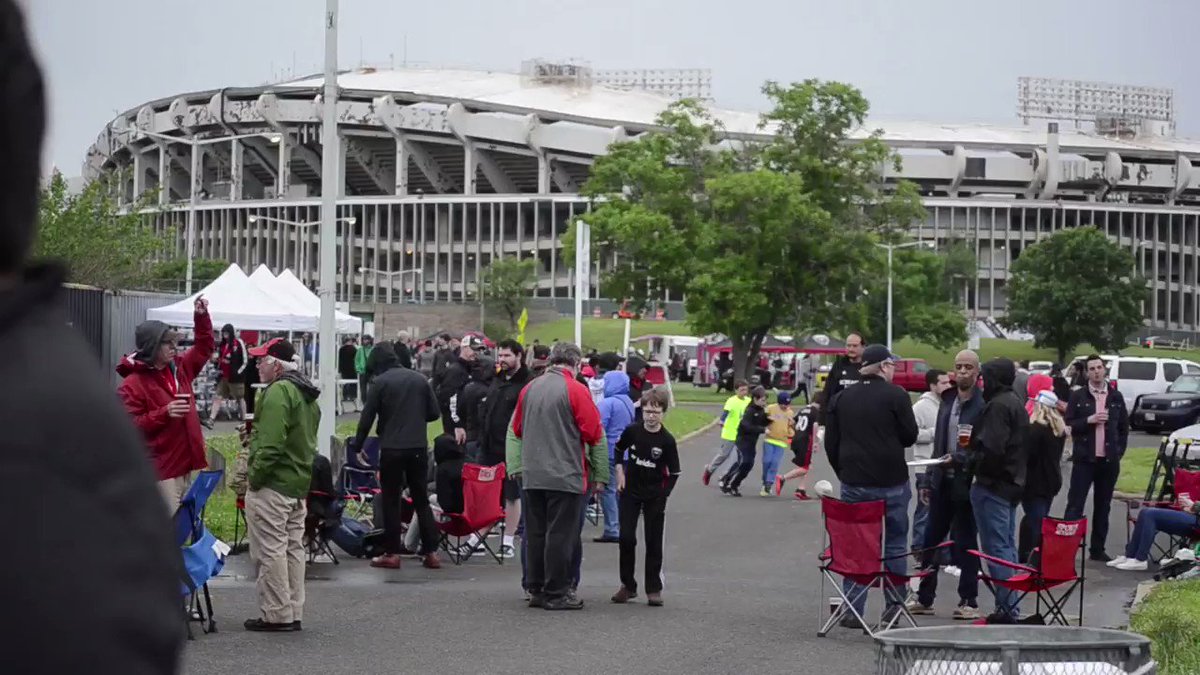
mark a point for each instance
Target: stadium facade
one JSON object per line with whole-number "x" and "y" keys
{"x": 445, "y": 170}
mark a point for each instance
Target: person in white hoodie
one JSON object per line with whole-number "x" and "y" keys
{"x": 926, "y": 412}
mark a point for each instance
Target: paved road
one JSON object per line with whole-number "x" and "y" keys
{"x": 742, "y": 595}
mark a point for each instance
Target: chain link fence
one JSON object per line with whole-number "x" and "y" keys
{"x": 1013, "y": 650}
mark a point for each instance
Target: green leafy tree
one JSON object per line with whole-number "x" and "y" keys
{"x": 101, "y": 244}
{"x": 758, "y": 237}
{"x": 171, "y": 275}
{"x": 506, "y": 284}
{"x": 921, "y": 301}
{"x": 1075, "y": 287}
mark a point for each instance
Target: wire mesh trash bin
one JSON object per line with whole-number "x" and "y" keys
{"x": 1013, "y": 650}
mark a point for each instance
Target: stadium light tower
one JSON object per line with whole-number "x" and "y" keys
{"x": 330, "y": 187}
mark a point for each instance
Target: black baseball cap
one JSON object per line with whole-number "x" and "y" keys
{"x": 875, "y": 354}
{"x": 278, "y": 347}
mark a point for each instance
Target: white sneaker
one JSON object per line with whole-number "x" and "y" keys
{"x": 507, "y": 551}
{"x": 952, "y": 571}
{"x": 1134, "y": 566}
{"x": 1119, "y": 560}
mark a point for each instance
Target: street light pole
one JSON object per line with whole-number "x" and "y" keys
{"x": 890, "y": 248}
{"x": 331, "y": 158}
{"x": 193, "y": 202}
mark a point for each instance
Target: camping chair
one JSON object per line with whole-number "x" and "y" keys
{"x": 241, "y": 529}
{"x": 483, "y": 511}
{"x": 358, "y": 482}
{"x": 1181, "y": 481}
{"x": 854, "y": 551}
{"x": 324, "y": 515}
{"x": 1059, "y": 563}
{"x": 592, "y": 511}
{"x": 1172, "y": 455}
{"x": 203, "y": 554}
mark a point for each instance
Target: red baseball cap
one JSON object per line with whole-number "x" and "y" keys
{"x": 278, "y": 347}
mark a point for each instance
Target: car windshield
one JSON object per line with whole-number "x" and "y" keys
{"x": 1186, "y": 384}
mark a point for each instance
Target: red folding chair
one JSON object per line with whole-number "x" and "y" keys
{"x": 854, "y": 551}
{"x": 1185, "y": 482}
{"x": 1059, "y": 563}
{"x": 483, "y": 510}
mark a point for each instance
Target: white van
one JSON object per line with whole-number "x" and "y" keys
{"x": 1140, "y": 375}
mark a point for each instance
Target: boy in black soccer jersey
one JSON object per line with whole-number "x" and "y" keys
{"x": 646, "y": 475}
{"x": 802, "y": 445}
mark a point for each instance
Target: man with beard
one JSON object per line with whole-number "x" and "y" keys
{"x": 496, "y": 413}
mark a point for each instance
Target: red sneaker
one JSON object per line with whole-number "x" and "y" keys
{"x": 802, "y": 495}
{"x": 431, "y": 561}
{"x": 707, "y": 476}
{"x": 387, "y": 561}
{"x": 778, "y": 485}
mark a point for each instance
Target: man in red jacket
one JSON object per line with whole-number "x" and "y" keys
{"x": 157, "y": 392}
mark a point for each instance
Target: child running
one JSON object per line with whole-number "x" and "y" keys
{"x": 645, "y": 478}
{"x": 731, "y": 417}
{"x": 802, "y": 447}
{"x": 753, "y": 424}
{"x": 778, "y": 439}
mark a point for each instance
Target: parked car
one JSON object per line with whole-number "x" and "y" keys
{"x": 910, "y": 374}
{"x": 1040, "y": 367}
{"x": 1137, "y": 376}
{"x": 1178, "y": 407}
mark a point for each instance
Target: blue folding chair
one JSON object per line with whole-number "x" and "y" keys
{"x": 358, "y": 481}
{"x": 203, "y": 554}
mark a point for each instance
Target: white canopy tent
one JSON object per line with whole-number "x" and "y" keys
{"x": 233, "y": 298}
{"x": 286, "y": 285}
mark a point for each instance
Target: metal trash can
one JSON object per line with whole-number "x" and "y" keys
{"x": 1013, "y": 650}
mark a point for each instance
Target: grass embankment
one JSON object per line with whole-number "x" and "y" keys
{"x": 604, "y": 335}
{"x": 1170, "y": 617}
{"x": 221, "y": 512}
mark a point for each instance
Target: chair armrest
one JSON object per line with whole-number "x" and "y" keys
{"x": 1001, "y": 561}
{"x": 919, "y": 551}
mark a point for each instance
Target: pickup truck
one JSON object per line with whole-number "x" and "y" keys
{"x": 910, "y": 375}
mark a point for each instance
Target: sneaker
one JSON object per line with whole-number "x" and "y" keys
{"x": 915, "y": 608}
{"x": 208, "y": 424}
{"x": 801, "y": 495}
{"x": 260, "y": 626}
{"x": 568, "y": 601}
{"x": 507, "y": 551}
{"x": 967, "y": 613}
{"x": 1134, "y": 566}
{"x": 1100, "y": 556}
{"x": 763, "y": 492}
{"x": 778, "y": 485}
{"x": 606, "y": 539}
{"x": 952, "y": 570}
{"x": 734, "y": 492}
{"x": 706, "y": 477}
{"x": 1119, "y": 560}
{"x": 537, "y": 600}
{"x": 724, "y": 488}
{"x": 431, "y": 561}
{"x": 654, "y": 599}
{"x": 1000, "y": 619}
{"x": 623, "y": 595}
{"x": 387, "y": 561}
{"x": 852, "y": 622}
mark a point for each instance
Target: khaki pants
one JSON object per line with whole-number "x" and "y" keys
{"x": 173, "y": 490}
{"x": 276, "y": 525}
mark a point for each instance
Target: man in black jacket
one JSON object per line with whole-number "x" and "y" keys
{"x": 497, "y": 412}
{"x": 998, "y": 458}
{"x": 845, "y": 370}
{"x": 91, "y": 584}
{"x": 455, "y": 377}
{"x": 1100, "y": 432}
{"x": 404, "y": 403}
{"x": 346, "y": 369}
{"x": 869, "y": 427}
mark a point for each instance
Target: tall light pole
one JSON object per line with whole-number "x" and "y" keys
{"x": 583, "y": 268}
{"x": 193, "y": 178}
{"x": 890, "y": 248}
{"x": 330, "y": 189}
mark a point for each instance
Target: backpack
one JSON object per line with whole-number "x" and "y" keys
{"x": 352, "y": 536}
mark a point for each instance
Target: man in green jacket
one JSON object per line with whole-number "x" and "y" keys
{"x": 360, "y": 365}
{"x": 283, "y": 444}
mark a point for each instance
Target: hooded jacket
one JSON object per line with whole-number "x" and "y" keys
{"x": 346, "y": 356}
{"x": 870, "y": 425}
{"x": 637, "y": 385}
{"x": 925, "y": 411}
{"x": 101, "y": 532}
{"x": 448, "y": 460}
{"x": 556, "y": 442}
{"x": 1035, "y": 384}
{"x": 403, "y": 402}
{"x": 497, "y": 412}
{"x": 998, "y": 452}
{"x": 360, "y": 359}
{"x": 232, "y": 356}
{"x": 616, "y": 410}
{"x": 466, "y": 406}
{"x": 176, "y": 444}
{"x": 1043, "y": 477}
{"x": 284, "y": 440}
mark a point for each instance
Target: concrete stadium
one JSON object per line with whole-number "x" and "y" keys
{"x": 444, "y": 170}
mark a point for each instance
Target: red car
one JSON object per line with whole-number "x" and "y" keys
{"x": 910, "y": 374}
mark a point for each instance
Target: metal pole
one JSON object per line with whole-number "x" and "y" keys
{"x": 330, "y": 160}
{"x": 889, "y": 302}
{"x": 193, "y": 202}
{"x": 583, "y": 266}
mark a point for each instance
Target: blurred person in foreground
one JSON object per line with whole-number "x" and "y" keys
{"x": 105, "y": 597}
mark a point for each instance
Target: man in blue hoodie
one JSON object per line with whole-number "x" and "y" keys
{"x": 616, "y": 413}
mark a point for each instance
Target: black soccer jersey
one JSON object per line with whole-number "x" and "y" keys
{"x": 651, "y": 461}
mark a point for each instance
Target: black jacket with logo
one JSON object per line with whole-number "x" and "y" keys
{"x": 998, "y": 453}
{"x": 843, "y": 373}
{"x": 497, "y": 412}
{"x": 869, "y": 426}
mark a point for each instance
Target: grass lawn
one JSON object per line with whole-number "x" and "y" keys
{"x": 603, "y": 334}
{"x": 1135, "y": 470}
{"x": 221, "y": 512}
{"x": 1170, "y": 617}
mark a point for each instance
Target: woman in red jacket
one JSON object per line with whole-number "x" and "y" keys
{"x": 157, "y": 393}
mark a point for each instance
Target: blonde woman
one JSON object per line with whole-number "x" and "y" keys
{"x": 1043, "y": 477}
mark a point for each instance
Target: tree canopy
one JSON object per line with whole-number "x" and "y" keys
{"x": 758, "y": 237}
{"x": 170, "y": 275}
{"x": 1075, "y": 287}
{"x": 100, "y": 244}
{"x": 506, "y": 284}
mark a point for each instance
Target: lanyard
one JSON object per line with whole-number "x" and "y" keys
{"x": 173, "y": 381}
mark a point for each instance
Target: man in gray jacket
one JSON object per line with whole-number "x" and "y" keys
{"x": 926, "y": 412}
{"x": 557, "y": 450}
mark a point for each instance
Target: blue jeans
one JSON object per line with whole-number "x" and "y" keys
{"x": 1150, "y": 522}
{"x": 772, "y": 456}
{"x": 996, "y": 520}
{"x": 608, "y": 504}
{"x": 1035, "y": 508}
{"x": 920, "y": 513}
{"x": 895, "y": 536}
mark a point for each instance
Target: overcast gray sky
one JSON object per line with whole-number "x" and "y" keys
{"x": 936, "y": 60}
